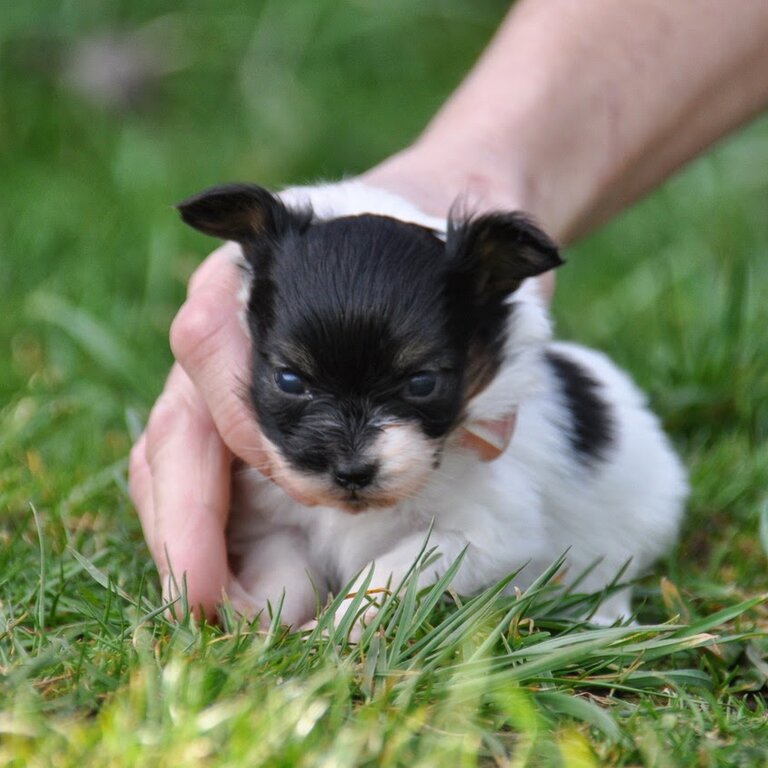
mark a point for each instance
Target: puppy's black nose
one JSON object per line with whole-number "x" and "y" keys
{"x": 352, "y": 476}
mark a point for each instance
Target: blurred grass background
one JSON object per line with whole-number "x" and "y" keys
{"x": 111, "y": 112}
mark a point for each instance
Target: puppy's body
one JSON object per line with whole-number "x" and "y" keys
{"x": 588, "y": 469}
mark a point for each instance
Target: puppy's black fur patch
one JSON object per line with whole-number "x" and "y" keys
{"x": 592, "y": 424}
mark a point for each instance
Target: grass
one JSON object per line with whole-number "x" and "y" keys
{"x": 92, "y": 265}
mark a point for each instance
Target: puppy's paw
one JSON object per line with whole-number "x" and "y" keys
{"x": 365, "y": 613}
{"x": 244, "y": 604}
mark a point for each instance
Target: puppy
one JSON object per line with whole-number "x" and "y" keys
{"x": 394, "y": 354}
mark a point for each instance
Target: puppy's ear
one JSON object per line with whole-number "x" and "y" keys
{"x": 240, "y": 212}
{"x": 499, "y": 250}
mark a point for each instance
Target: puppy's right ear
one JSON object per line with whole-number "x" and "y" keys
{"x": 498, "y": 251}
{"x": 240, "y": 212}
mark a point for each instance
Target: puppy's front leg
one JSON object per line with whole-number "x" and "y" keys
{"x": 275, "y": 567}
{"x": 392, "y": 567}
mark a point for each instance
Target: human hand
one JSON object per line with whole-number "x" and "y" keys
{"x": 181, "y": 465}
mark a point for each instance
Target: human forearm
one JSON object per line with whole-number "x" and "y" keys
{"x": 576, "y": 109}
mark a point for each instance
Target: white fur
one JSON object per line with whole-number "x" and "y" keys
{"x": 526, "y": 508}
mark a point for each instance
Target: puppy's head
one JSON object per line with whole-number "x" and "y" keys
{"x": 370, "y": 335}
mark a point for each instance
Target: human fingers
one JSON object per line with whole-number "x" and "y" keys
{"x": 140, "y": 489}
{"x": 181, "y": 488}
{"x": 211, "y": 345}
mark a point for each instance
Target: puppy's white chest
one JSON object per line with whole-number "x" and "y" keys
{"x": 493, "y": 509}
{"x": 337, "y": 544}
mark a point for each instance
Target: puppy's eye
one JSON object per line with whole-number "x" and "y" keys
{"x": 421, "y": 384}
{"x": 289, "y": 382}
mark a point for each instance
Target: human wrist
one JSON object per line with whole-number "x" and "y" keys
{"x": 433, "y": 174}
{"x": 491, "y": 169}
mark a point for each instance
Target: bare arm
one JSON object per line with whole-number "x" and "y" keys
{"x": 576, "y": 109}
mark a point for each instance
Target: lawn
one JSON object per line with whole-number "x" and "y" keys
{"x": 94, "y": 262}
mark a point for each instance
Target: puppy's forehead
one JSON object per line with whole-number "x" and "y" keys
{"x": 369, "y": 251}
{"x": 360, "y": 268}
{"x": 310, "y": 355}
{"x": 372, "y": 230}
{"x": 357, "y": 354}
{"x": 360, "y": 282}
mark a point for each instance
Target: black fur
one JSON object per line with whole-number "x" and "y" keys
{"x": 357, "y": 305}
{"x": 240, "y": 212}
{"x": 592, "y": 424}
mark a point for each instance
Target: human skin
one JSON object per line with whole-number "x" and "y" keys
{"x": 574, "y": 111}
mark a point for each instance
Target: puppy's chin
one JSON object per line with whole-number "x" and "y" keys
{"x": 405, "y": 458}
{"x": 355, "y": 503}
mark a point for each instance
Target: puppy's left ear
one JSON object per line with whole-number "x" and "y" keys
{"x": 500, "y": 250}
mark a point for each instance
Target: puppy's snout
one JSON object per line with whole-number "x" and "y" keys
{"x": 354, "y": 475}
